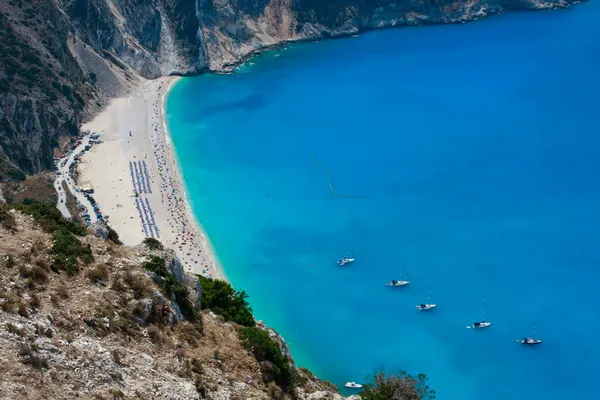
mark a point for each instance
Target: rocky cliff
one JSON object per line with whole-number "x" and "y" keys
{"x": 62, "y": 60}
{"x": 108, "y": 328}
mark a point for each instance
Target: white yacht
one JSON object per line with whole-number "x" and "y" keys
{"x": 353, "y": 385}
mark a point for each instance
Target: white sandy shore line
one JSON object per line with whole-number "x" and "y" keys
{"x": 133, "y": 129}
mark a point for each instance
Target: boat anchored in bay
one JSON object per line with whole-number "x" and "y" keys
{"x": 427, "y": 306}
{"x": 401, "y": 282}
{"x": 353, "y": 385}
{"x": 531, "y": 341}
{"x": 345, "y": 260}
{"x": 483, "y": 323}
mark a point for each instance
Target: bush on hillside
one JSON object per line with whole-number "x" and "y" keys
{"x": 264, "y": 350}
{"x": 68, "y": 250}
{"x": 50, "y": 219}
{"x": 153, "y": 244}
{"x": 113, "y": 236}
{"x": 6, "y": 218}
{"x": 224, "y": 300}
{"x": 172, "y": 287}
{"x": 157, "y": 265}
{"x": 400, "y": 386}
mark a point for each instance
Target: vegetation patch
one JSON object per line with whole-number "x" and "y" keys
{"x": 172, "y": 288}
{"x": 224, "y": 300}
{"x": 113, "y": 236}
{"x": 6, "y": 218}
{"x": 401, "y": 385}
{"x": 50, "y": 219}
{"x": 68, "y": 250}
{"x": 99, "y": 274}
{"x": 153, "y": 244}
{"x": 267, "y": 352}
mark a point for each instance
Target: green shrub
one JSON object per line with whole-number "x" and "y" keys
{"x": 113, "y": 236}
{"x": 172, "y": 287}
{"x": 157, "y": 265}
{"x": 67, "y": 250}
{"x": 50, "y": 218}
{"x": 153, "y": 244}
{"x": 265, "y": 349}
{"x": 224, "y": 300}
{"x": 401, "y": 385}
{"x": 6, "y": 218}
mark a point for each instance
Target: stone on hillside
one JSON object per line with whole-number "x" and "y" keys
{"x": 160, "y": 299}
{"x": 192, "y": 283}
{"x": 44, "y": 327}
{"x": 147, "y": 305}
{"x": 174, "y": 265}
{"x": 176, "y": 314}
{"x": 99, "y": 228}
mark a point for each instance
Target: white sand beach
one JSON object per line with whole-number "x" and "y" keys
{"x": 134, "y": 138}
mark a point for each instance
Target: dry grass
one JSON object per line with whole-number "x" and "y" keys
{"x": 98, "y": 275}
{"x": 189, "y": 333}
{"x": 38, "y": 187}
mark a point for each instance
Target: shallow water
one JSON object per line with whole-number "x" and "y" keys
{"x": 477, "y": 147}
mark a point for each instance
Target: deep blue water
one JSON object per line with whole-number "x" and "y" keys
{"x": 478, "y": 147}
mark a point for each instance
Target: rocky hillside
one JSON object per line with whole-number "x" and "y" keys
{"x": 83, "y": 317}
{"x": 62, "y": 60}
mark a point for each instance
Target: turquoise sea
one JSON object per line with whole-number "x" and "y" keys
{"x": 478, "y": 148}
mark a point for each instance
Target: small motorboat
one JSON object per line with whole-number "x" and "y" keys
{"x": 427, "y": 306}
{"x": 353, "y": 385}
{"x": 345, "y": 260}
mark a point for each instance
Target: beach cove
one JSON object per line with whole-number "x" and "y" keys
{"x": 468, "y": 151}
{"x": 132, "y": 130}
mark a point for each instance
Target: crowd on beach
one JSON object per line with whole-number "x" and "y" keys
{"x": 187, "y": 238}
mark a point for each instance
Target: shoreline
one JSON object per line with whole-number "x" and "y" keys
{"x": 138, "y": 182}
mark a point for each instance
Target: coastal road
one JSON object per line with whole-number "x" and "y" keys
{"x": 63, "y": 168}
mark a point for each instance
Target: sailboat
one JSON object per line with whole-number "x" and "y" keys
{"x": 428, "y": 306}
{"x": 531, "y": 341}
{"x": 345, "y": 260}
{"x": 483, "y": 323}
{"x": 401, "y": 282}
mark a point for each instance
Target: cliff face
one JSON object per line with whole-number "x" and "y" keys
{"x": 109, "y": 331}
{"x": 62, "y": 60}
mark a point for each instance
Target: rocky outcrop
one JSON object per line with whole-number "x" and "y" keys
{"x": 99, "y": 228}
{"x": 285, "y": 350}
{"x": 192, "y": 283}
{"x": 63, "y": 60}
{"x": 70, "y": 336}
